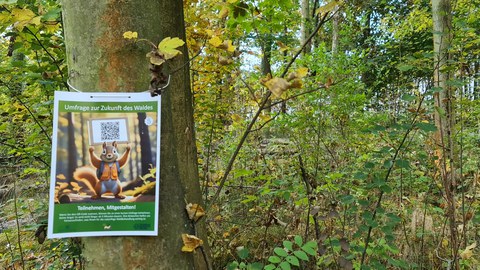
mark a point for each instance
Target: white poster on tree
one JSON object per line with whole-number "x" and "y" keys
{"x": 104, "y": 177}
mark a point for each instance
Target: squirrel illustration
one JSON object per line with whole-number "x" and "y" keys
{"x": 105, "y": 178}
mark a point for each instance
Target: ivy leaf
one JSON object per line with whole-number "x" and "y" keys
{"x": 277, "y": 86}
{"x": 168, "y": 47}
{"x": 190, "y": 242}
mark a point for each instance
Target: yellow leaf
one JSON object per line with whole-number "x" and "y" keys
{"x": 444, "y": 243}
{"x": 5, "y": 17}
{"x": 467, "y": 253}
{"x": 35, "y": 20}
{"x": 52, "y": 28}
{"x": 215, "y": 41}
{"x": 209, "y": 32}
{"x": 327, "y": 7}
{"x": 61, "y": 176}
{"x": 190, "y": 242}
{"x": 282, "y": 46}
{"x": 155, "y": 58}
{"x": 329, "y": 82}
{"x": 302, "y": 72}
{"x": 195, "y": 211}
{"x": 265, "y": 117}
{"x": 277, "y": 86}
{"x": 130, "y": 35}
{"x": 168, "y": 47}
{"x": 23, "y": 17}
{"x": 229, "y": 46}
{"x": 297, "y": 83}
{"x": 224, "y": 60}
{"x": 223, "y": 13}
{"x": 22, "y": 14}
{"x": 236, "y": 118}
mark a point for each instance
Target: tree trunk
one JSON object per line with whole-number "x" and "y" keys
{"x": 335, "y": 30}
{"x": 442, "y": 36}
{"x": 306, "y": 24}
{"x": 100, "y": 59}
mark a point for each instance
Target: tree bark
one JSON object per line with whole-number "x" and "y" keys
{"x": 100, "y": 59}
{"x": 306, "y": 24}
{"x": 335, "y": 30}
{"x": 445, "y": 122}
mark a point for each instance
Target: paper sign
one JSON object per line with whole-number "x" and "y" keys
{"x": 105, "y": 165}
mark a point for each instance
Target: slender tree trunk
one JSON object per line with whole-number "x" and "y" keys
{"x": 100, "y": 59}
{"x": 335, "y": 30}
{"x": 306, "y": 27}
{"x": 442, "y": 36}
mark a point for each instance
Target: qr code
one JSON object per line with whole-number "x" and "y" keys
{"x": 110, "y": 131}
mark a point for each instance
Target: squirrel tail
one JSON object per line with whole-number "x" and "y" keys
{"x": 87, "y": 176}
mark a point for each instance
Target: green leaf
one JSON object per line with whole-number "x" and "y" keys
{"x": 347, "y": 199}
{"x": 298, "y": 240}
{"x": 310, "y": 248}
{"x": 280, "y": 252}
{"x": 404, "y": 67}
{"x": 402, "y": 163}
{"x": 427, "y": 127}
{"x": 288, "y": 245}
{"x": 436, "y": 89}
{"x": 274, "y": 259}
{"x": 243, "y": 253}
{"x": 293, "y": 260}
{"x": 385, "y": 188}
{"x": 255, "y": 266}
{"x": 301, "y": 255}
{"x": 285, "y": 265}
{"x": 408, "y": 97}
{"x": 270, "y": 267}
{"x": 387, "y": 163}
{"x": 232, "y": 265}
